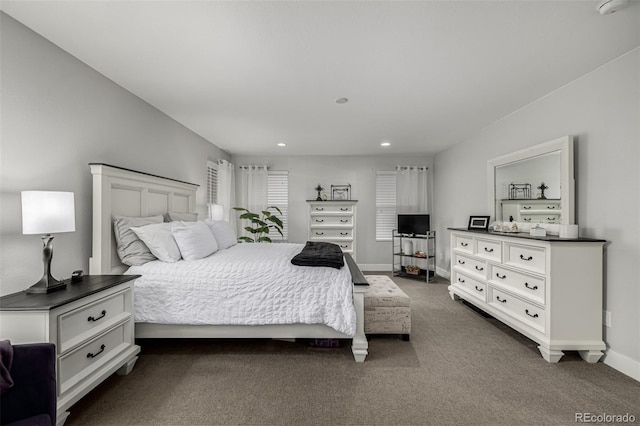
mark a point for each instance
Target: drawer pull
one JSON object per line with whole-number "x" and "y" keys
{"x": 501, "y": 300}
{"x": 460, "y": 280}
{"x": 479, "y": 289}
{"x": 502, "y": 277}
{"x": 526, "y": 311}
{"x": 488, "y": 250}
{"x": 319, "y": 209}
{"x": 90, "y": 355}
{"x": 462, "y": 262}
{"x": 464, "y": 244}
{"x": 551, "y": 219}
{"x": 319, "y": 220}
{"x": 344, "y": 233}
{"x": 527, "y": 219}
{"x": 535, "y": 287}
{"x": 479, "y": 268}
{"x": 344, "y": 220}
{"x": 526, "y": 258}
{"x": 92, "y": 319}
{"x": 343, "y": 246}
{"x": 551, "y": 207}
{"x": 344, "y": 209}
{"x": 526, "y": 207}
{"x": 319, "y": 233}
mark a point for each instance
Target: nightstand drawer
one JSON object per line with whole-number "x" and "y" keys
{"x": 83, "y": 361}
{"x": 83, "y": 323}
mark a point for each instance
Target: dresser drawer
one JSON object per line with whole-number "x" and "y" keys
{"x": 331, "y": 208}
{"x": 529, "y": 286}
{"x": 527, "y": 313}
{"x": 331, "y": 233}
{"x": 346, "y": 246}
{"x": 526, "y": 257}
{"x": 331, "y": 220}
{"x": 541, "y": 218}
{"x": 548, "y": 207}
{"x": 463, "y": 243}
{"x": 489, "y": 249}
{"x": 470, "y": 285}
{"x": 80, "y": 363}
{"x": 470, "y": 265}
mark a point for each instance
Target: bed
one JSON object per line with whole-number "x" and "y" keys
{"x": 123, "y": 192}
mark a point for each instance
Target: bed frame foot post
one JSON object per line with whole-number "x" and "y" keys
{"x": 360, "y": 344}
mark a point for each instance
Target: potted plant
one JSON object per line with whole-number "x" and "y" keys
{"x": 261, "y": 224}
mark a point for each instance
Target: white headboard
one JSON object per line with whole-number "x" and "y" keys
{"x": 123, "y": 192}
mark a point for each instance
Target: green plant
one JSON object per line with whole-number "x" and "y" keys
{"x": 260, "y": 224}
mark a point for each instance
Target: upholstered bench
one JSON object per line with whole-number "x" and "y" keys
{"x": 387, "y": 309}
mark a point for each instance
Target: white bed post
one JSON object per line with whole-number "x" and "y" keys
{"x": 360, "y": 344}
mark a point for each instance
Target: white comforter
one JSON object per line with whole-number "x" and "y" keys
{"x": 247, "y": 284}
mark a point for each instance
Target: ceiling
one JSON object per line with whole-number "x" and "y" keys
{"x": 423, "y": 75}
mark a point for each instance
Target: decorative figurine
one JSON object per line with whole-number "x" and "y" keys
{"x": 542, "y": 187}
{"x": 319, "y": 189}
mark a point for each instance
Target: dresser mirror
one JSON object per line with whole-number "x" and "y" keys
{"x": 533, "y": 185}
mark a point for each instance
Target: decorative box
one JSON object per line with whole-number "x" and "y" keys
{"x": 538, "y": 231}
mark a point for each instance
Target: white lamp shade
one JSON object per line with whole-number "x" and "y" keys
{"x": 216, "y": 211}
{"x": 48, "y": 212}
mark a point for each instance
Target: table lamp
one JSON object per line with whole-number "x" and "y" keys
{"x": 46, "y": 213}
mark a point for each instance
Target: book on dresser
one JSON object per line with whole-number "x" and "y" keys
{"x": 547, "y": 288}
{"x": 90, "y": 322}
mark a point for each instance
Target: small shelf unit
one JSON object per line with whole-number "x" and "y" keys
{"x": 420, "y": 243}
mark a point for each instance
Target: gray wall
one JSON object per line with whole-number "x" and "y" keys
{"x": 305, "y": 173}
{"x": 602, "y": 111}
{"x": 57, "y": 116}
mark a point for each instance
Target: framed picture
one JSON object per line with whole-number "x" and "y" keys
{"x": 480, "y": 223}
{"x": 341, "y": 192}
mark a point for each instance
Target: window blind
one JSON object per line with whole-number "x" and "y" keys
{"x": 278, "y": 195}
{"x": 212, "y": 183}
{"x": 385, "y": 205}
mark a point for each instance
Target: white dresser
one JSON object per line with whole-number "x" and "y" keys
{"x": 334, "y": 222}
{"x": 547, "y": 288}
{"x": 91, "y": 325}
{"x": 534, "y": 211}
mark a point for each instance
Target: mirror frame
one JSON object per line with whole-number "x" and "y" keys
{"x": 567, "y": 182}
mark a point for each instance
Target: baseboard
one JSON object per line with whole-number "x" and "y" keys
{"x": 443, "y": 273}
{"x": 622, "y": 363}
{"x": 375, "y": 267}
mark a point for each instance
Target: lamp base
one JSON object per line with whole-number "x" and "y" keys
{"x": 47, "y": 283}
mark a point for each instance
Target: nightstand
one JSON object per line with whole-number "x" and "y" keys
{"x": 91, "y": 324}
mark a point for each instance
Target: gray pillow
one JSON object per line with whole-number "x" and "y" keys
{"x": 131, "y": 249}
{"x": 182, "y": 217}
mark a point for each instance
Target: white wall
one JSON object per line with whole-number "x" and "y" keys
{"x": 57, "y": 116}
{"x": 602, "y": 111}
{"x": 305, "y": 173}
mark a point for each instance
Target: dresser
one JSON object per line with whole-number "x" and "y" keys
{"x": 334, "y": 222}
{"x": 534, "y": 211}
{"x": 547, "y": 288}
{"x": 91, "y": 325}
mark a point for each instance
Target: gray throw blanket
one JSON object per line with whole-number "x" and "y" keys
{"x": 6, "y": 361}
{"x": 317, "y": 253}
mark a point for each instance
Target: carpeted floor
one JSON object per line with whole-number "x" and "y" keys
{"x": 459, "y": 368}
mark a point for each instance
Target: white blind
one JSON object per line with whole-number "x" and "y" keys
{"x": 212, "y": 183}
{"x": 278, "y": 195}
{"x": 385, "y": 205}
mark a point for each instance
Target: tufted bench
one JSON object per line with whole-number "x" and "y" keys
{"x": 387, "y": 309}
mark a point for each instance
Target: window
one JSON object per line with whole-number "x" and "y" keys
{"x": 212, "y": 183}
{"x": 385, "y": 205}
{"x": 278, "y": 195}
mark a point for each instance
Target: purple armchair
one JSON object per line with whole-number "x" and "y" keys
{"x": 32, "y": 398}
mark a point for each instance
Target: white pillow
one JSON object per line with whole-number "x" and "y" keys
{"x": 160, "y": 241}
{"x": 223, "y": 232}
{"x": 195, "y": 240}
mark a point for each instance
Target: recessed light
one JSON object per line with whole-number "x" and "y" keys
{"x": 281, "y": 144}
{"x": 385, "y": 144}
{"x": 342, "y": 100}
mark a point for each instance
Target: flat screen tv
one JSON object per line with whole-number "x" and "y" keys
{"x": 410, "y": 224}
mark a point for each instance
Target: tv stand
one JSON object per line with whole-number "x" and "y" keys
{"x": 424, "y": 262}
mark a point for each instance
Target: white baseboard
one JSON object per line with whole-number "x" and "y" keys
{"x": 622, "y": 363}
{"x": 383, "y": 267}
{"x": 443, "y": 273}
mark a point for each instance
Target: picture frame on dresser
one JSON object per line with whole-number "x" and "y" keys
{"x": 479, "y": 223}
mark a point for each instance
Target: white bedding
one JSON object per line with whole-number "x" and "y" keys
{"x": 247, "y": 284}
